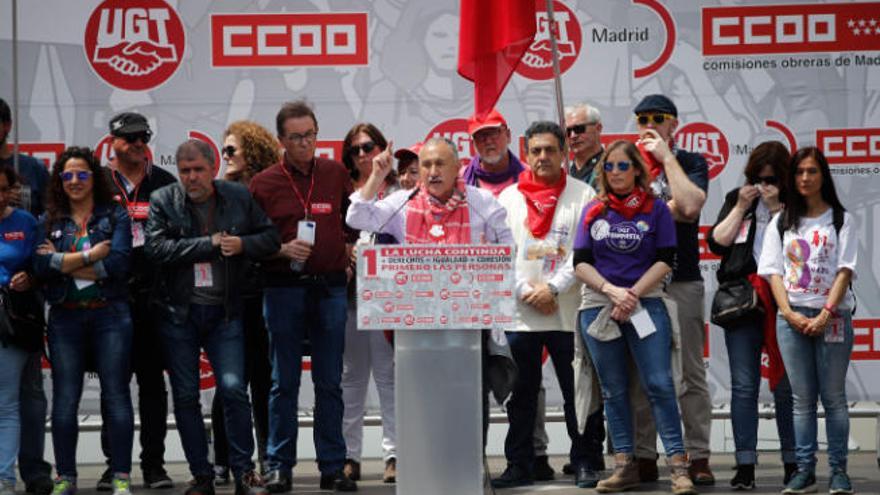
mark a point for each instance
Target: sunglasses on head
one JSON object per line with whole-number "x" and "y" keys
{"x": 657, "y": 118}
{"x": 770, "y": 180}
{"x": 622, "y": 166}
{"x": 81, "y": 175}
{"x": 229, "y": 151}
{"x": 577, "y": 128}
{"x": 367, "y": 147}
{"x": 131, "y": 138}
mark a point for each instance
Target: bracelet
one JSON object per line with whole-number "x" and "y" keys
{"x": 86, "y": 258}
{"x": 831, "y": 309}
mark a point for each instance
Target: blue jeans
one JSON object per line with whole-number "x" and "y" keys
{"x": 652, "y": 356}
{"x": 223, "y": 340}
{"x": 33, "y": 406}
{"x": 817, "y": 369}
{"x": 744, "y": 354}
{"x": 527, "y": 348}
{"x": 12, "y": 361}
{"x": 293, "y": 314}
{"x": 105, "y": 334}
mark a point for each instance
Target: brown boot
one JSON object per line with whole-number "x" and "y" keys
{"x": 648, "y": 472}
{"x": 681, "y": 481}
{"x": 624, "y": 477}
{"x": 700, "y": 473}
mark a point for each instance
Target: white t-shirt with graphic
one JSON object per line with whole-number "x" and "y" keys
{"x": 810, "y": 258}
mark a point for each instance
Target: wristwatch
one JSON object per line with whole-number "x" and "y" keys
{"x": 553, "y": 289}
{"x": 86, "y": 259}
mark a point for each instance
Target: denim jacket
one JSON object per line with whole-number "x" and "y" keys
{"x": 108, "y": 222}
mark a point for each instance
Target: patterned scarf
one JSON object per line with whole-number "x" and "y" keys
{"x": 428, "y": 221}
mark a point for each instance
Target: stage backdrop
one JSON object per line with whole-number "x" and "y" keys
{"x": 802, "y": 72}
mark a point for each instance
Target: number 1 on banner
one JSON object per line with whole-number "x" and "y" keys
{"x": 370, "y": 256}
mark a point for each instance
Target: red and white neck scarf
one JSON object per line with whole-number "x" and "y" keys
{"x": 428, "y": 221}
{"x": 638, "y": 201}
{"x": 541, "y": 201}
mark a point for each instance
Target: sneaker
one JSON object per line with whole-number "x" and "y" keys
{"x": 512, "y": 477}
{"x": 40, "y": 486}
{"x": 64, "y": 486}
{"x": 250, "y": 483}
{"x": 121, "y": 484}
{"x": 221, "y": 475}
{"x": 839, "y": 482}
{"x": 790, "y": 470}
{"x": 744, "y": 478}
{"x": 7, "y": 487}
{"x": 541, "y": 469}
{"x": 801, "y": 482}
{"x": 105, "y": 484}
{"x": 157, "y": 479}
{"x": 202, "y": 485}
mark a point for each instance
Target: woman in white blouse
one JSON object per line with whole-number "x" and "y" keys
{"x": 809, "y": 256}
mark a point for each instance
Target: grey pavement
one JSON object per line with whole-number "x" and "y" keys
{"x": 863, "y": 470}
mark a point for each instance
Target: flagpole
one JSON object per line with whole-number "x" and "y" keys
{"x": 557, "y": 77}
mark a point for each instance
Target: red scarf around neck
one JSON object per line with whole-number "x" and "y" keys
{"x": 541, "y": 201}
{"x": 638, "y": 201}
{"x": 428, "y": 221}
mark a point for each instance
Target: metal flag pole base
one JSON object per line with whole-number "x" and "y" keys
{"x": 438, "y": 410}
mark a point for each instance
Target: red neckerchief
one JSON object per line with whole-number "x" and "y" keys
{"x": 638, "y": 201}
{"x": 428, "y": 221}
{"x": 541, "y": 201}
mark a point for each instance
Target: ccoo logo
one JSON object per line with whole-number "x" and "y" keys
{"x": 537, "y": 61}
{"x": 707, "y": 140}
{"x": 134, "y": 45}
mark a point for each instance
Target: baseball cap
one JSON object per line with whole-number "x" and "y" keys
{"x": 412, "y": 152}
{"x": 492, "y": 119}
{"x": 656, "y": 103}
{"x": 129, "y": 123}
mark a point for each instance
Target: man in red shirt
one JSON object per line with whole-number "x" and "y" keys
{"x": 305, "y": 295}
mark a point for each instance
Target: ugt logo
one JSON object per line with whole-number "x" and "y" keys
{"x": 134, "y": 45}
{"x": 537, "y": 62}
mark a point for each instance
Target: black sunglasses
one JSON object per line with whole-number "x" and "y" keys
{"x": 131, "y": 138}
{"x": 622, "y": 166}
{"x": 577, "y": 129}
{"x": 81, "y": 175}
{"x": 658, "y": 118}
{"x": 368, "y": 148}
{"x": 770, "y": 180}
{"x": 229, "y": 151}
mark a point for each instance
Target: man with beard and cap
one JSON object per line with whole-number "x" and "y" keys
{"x": 495, "y": 167}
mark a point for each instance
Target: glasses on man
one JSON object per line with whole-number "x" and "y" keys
{"x": 578, "y": 129}
{"x": 81, "y": 175}
{"x": 300, "y": 138}
{"x": 623, "y": 166}
{"x": 229, "y": 151}
{"x": 767, "y": 180}
{"x": 657, "y": 118}
{"x": 140, "y": 136}
{"x": 367, "y": 148}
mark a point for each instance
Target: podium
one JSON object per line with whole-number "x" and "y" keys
{"x": 438, "y": 298}
{"x": 439, "y": 412}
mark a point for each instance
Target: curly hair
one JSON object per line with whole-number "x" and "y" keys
{"x": 642, "y": 180}
{"x": 57, "y": 202}
{"x": 258, "y": 146}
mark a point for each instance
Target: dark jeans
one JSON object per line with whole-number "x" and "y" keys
{"x": 33, "y": 407}
{"x": 257, "y": 374}
{"x": 291, "y": 313}
{"x": 527, "y": 348}
{"x": 223, "y": 340}
{"x": 148, "y": 366}
{"x": 106, "y": 334}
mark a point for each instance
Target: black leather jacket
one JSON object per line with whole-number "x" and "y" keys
{"x": 174, "y": 243}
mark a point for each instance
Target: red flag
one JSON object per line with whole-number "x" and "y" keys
{"x": 493, "y": 36}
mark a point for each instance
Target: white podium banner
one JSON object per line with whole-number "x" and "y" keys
{"x": 435, "y": 287}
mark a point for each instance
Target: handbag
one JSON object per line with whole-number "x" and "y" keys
{"x": 735, "y": 300}
{"x": 22, "y": 320}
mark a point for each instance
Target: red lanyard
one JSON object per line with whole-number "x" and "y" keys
{"x": 308, "y": 200}
{"x": 125, "y": 194}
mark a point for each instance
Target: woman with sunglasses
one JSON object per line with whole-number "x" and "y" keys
{"x": 809, "y": 256}
{"x": 248, "y": 148}
{"x": 366, "y": 352}
{"x": 624, "y": 248}
{"x": 18, "y": 231}
{"x": 738, "y": 237}
{"x": 84, "y": 266}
